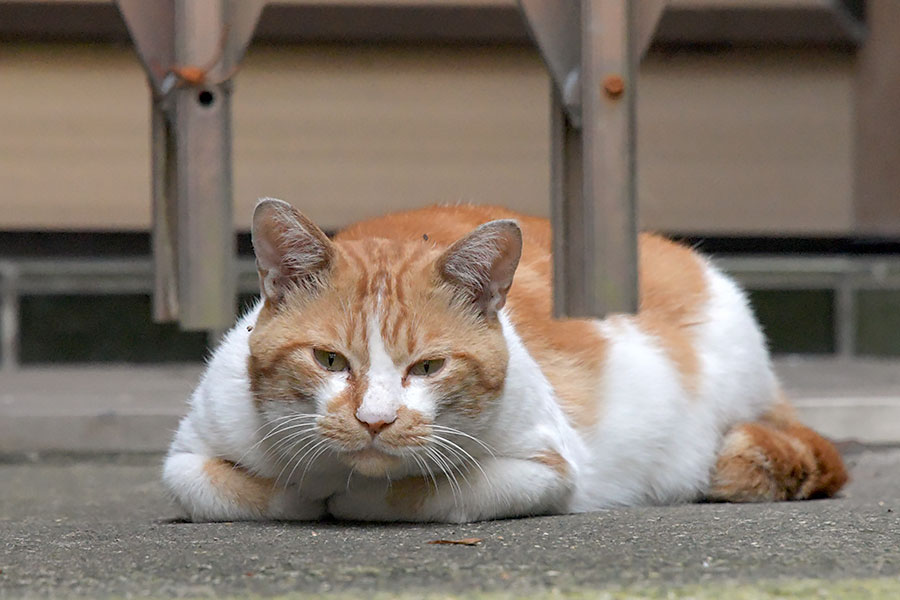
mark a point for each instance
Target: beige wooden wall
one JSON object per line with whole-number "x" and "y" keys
{"x": 735, "y": 142}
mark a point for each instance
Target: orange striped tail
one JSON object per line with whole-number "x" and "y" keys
{"x": 771, "y": 461}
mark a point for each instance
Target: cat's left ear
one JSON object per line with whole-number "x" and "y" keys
{"x": 482, "y": 264}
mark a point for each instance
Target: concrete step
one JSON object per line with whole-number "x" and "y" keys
{"x": 844, "y": 399}
{"x": 100, "y": 409}
{"x": 93, "y": 408}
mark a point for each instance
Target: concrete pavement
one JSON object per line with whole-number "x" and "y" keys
{"x": 102, "y": 527}
{"x": 82, "y": 513}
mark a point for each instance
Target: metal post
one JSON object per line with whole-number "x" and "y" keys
{"x": 591, "y": 48}
{"x": 206, "y": 278}
{"x": 608, "y": 215}
{"x": 9, "y": 317}
{"x": 845, "y": 317}
{"x": 165, "y": 217}
{"x": 566, "y": 203}
{"x": 190, "y": 50}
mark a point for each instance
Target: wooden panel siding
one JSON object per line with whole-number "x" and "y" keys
{"x": 739, "y": 141}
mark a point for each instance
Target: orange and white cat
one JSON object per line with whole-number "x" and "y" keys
{"x": 411, "y": 370}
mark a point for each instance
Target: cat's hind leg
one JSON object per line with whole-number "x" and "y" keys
{"x": 213, "y": 489}
{"x": 771, "y": 460}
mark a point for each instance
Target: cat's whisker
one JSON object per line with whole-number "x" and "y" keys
{"x": 463, "y": 460}
{"x": 459, "y": 467}
{"x": 281, "y": 456}
{"x": 325, "y": 449}
{"x": 439, "y": 460}
{"x": 458, "y": 452}
{"x": 426, "y": 470}
{"x": 466, "y": 457}
{"x": 285, "y": 441}
{"x": 349, "y": 475}
{"x": 278, "y": 423}
{"x": 284, "y": 419}
{"x": 461, "y": 452}
{"x": 292, "y": 419}
{"x": 301, "y": 441}
{"x": 312, "y": 452}
{"x": 454, "y": 431}
{"x": 293, "y": 441}
{"x": 291, "y": 460}
{"x": 453, "y": 459}
{"x": 429, "y": 471}
{"x": 275, "y": 422}
{"x": 283, "y": 429}
{"x": 292, "y": 438}
{"x": 310, "y": 462}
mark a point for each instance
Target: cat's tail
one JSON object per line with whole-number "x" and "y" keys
{"x": 776, "y": 458}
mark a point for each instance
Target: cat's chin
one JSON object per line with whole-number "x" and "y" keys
{"x": 371, "y": 462}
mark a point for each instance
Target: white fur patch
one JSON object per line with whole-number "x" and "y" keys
{"x": 383, "y": 393}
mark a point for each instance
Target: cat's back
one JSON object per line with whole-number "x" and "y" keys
{"x": 445, "y": 224}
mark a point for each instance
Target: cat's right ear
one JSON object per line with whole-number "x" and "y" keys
{"x": 291, "y": 252}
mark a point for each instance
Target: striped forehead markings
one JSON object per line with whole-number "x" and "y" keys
{"x": 383, "y": 275}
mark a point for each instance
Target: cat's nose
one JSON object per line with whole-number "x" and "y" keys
{"x": 376, "y": 427}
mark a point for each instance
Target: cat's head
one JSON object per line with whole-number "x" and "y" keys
{"x": 389, "y": 353}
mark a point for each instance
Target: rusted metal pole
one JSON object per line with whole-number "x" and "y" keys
{"x": 190, "y": 50}
{"x": 592, "y": 48}
{"x": 206, "y": 243}
{"x": 608, "y": 211}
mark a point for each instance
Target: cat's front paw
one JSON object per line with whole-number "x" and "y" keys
{"x": 287, "y": 505}
{"x": 409, "y": 499}
{"x": 358, "y": 504}
{"x": 380, "y": 500}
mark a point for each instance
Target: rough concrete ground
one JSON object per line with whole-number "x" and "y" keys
{"x": 88, "y": 518}
{"x": 101, "y": 527}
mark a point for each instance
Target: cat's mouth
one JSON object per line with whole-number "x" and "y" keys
{"x": 371, "y": 461}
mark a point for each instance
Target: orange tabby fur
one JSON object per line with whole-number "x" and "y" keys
{"x": 764, "y": 462}
{"x": 759, "y": 461}
{"x": 239, "y": 485}
{"x": 387, "y": 267}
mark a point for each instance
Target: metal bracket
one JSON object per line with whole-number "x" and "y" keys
{"x": 591, "y": 48}
{"x": 190, "y": 49}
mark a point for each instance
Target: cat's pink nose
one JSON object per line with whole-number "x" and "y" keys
{"x": 376, "y": 427}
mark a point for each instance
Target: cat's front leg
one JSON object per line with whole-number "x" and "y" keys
{"x": 502, "y": 487}
{"x": 213, "y": 489}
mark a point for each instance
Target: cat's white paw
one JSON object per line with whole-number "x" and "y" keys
{"x": 286, "y": 505}
{"x": 410, "y": 499}
{"x": 362, "y": 503}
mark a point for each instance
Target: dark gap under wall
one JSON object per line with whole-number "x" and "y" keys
{"x": 107, "y": 244}
{"x": 69, "y": 329}
{"x": 105, "y": 329}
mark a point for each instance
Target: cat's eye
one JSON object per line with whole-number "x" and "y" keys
{"x": 427, "y": 367}
{"x": 330, "y": 360}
